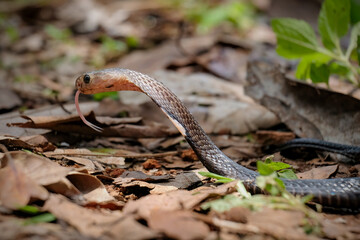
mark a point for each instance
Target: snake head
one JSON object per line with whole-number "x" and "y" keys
{"x": 107, "y": 80}
{"x": 93, "y": 82}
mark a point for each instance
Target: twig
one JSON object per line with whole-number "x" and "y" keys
{"x": 137, "y": 155}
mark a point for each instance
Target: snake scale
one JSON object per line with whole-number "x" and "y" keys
{"x": 336, "y": 193}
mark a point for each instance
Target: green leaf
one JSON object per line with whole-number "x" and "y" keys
{"x": 303, "y": 69}
{"x": 333, "y": 22}
{"x": 355, "y": 11}
{"x": 355, "y": 33}
{"x": 339, "y": 69}
{"x": 219, "y": 178}
{"x": 304, "y": 66}
{"x": 307, "y": 198}
{"x": 276, "y": 166}
{"x": 287, "y": 173}
{"x": 280, "y": 183}
{"x": 45, "y": 217}
{"x": 295, "y": 38}
{"x": 242, "y": 190}
{"x": 264, "y": 169}
{"x": 319, "y": 73}
{"x": 29, "y": 209}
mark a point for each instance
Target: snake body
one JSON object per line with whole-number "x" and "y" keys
{"x": 337, "y": 193}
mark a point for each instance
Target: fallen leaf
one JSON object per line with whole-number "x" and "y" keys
{"x": 279, "y": 227}
{"x": 40, "y": 169}
{"x": 175, "y": 200}
{"x": 309, "y": 111}
{"x": 92, "y": 188}
{"x": 129, "y": 176}
{"x": 183, "y": 180}
{"x": 178, "y": 224}
{"x": 318, "y": 173}
{"x": 88, "y": 164}
{"x": 13, "y": 228}
{"x": 169, "y": 201}
{"x": 151, "y": 187}
{"x": 95, "y": 223}
{"x": 16, "y": 188}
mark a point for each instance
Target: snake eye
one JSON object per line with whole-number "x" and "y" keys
{"x": 86, "y": 78}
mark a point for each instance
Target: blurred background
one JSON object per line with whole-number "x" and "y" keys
{"x": 45, "y": 44}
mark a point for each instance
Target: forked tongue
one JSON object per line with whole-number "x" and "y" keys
{"x": 93, "y": 126}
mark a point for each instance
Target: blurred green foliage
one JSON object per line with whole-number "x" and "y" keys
{"x": 9, "y": 28}
{"x": 63, "y": 35}
{"x": 208, "y": 15}
{"x": 25, "y": 78}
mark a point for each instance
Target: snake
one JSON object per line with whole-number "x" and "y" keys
{"x": 338, "y": 193}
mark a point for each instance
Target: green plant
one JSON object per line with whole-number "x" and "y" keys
{"x": 281, "y": 169}
{"x": 279, "y": 198}
{"x": 297, "y": 40}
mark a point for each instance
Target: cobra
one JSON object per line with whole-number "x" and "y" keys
{"x": 336, "y": 193}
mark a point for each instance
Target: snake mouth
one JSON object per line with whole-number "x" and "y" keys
{"x": 78, "y": 84}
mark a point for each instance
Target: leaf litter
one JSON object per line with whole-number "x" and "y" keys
{"x": 140, "y": 180}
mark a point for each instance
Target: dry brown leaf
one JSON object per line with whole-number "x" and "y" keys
{"x": 88, "y": 164}
{"x": 153, "y": 188}
{"x": 13, "y": 228}
{"x": 36, "y": 142}
{"x": 169, "y": 201}
{"x": 175, "y": 200}
{"x": 76, "y": 151}
{"x": 40, "y": 143}
{"x": 341, "y": 227}
{"x": 318, "y": 173}
{"x": 92, "y": 188}
{"x": 12, "y": 142}
{"x": 183, "y": 180}
{"x": 178, "y": 224}
{"x": 64, "y": 187}
{"x": 118, "y": 161}
{"x": 129, "y": 176}
{"x": 96, "y": 223}
{"x": 177, "y": 163}
{"x": 40, "y": 169}
{"x": 309, "y": 111}
{"x": 16, "y": 188}
{"x": 286, "y": 224}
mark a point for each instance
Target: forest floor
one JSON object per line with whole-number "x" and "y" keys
{"x": 139, "y": 179}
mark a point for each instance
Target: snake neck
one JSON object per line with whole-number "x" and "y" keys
{"x": 208, "y": 153}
